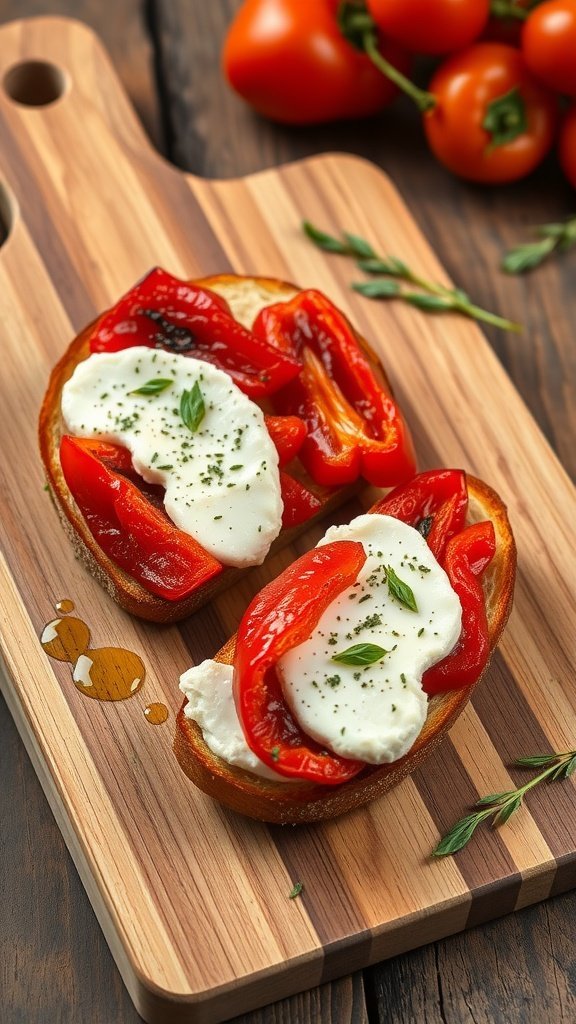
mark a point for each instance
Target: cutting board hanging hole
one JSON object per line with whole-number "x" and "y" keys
{"x": 35, "y": 83}
{"x": 8, "y": 208}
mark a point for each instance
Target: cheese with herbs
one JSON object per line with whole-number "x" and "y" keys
{"x": 355, "y": 684}
{"x": 191, "y": 430}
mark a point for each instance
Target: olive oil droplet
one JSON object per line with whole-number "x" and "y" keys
{"x": 156, "y": 713}
{"x": 65, "y": 606}
{"x": 103, "y": 673}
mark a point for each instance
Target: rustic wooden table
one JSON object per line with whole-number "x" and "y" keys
{"x": 54, "y": 963}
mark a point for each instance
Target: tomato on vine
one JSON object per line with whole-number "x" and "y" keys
{"x": 431, "y": 26}
{"x": 549, "y": 44}
{"x": 292, "y": 62}
{"x": 492, "y": 121}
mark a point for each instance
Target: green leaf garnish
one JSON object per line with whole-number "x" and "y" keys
{"x": 400, "y": 590}
{"x": 297, "y": 889}
{"x": 324, "y": 241}
{"x": 192, "y": 408}
{"x": 501, "y": 806}
{"x": 552, "y": 238}
{"x": 391, "y": 266}
{"x": 359, "y": 246}
{"x": 361, "y": 654}
{"x": 380, "y": 288}
{"x": 153, "y": 387}
{"x": 459, "y": 835}
{"x": 275, "y": 753}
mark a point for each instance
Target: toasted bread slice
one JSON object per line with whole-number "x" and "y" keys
{"x": 304, "y": 802}
{"x": 246, "y": 296}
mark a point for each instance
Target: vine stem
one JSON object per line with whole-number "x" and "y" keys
{"x": 425, "y": 101}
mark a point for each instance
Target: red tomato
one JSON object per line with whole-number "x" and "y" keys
{"x": 549, "y": 44}
{"x": 567, "y": 145}
{"x": 493, "y": 122}
{"x": 431, "y": 26}
{"x": 289, "y": 60}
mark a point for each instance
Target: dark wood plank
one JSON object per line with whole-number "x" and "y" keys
{"x": 521, "y": 969}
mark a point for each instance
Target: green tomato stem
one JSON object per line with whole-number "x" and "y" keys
{"x": 477, "y": 313}
{"x": 508, "y": 9}
{"x": 425, "y": 101}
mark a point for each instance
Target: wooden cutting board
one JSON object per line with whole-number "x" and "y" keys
{"x": 193, "y": 900}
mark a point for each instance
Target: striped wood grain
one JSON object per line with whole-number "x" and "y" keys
{"x": 193, "y": 900}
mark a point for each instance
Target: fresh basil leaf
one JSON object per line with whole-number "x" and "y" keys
{"x": 153, "y": 387}
{"x": 192, "y": 408}
{"x": 400, "y": 590}
{"x": 361, "y": 654}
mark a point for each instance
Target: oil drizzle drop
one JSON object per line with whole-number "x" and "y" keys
{"x": 103, "y": 673}
{"x": 156, "y": 713}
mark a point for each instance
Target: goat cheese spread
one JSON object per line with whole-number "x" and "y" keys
{"x": 221, "y": 478}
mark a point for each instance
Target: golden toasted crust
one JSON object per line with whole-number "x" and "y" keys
{"x": 298, "y": 803}
{"x": 246, "y": 296}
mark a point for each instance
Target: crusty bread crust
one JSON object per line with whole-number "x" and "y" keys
{"x": 298, "y": 803}
{"x": 246, "y": 296}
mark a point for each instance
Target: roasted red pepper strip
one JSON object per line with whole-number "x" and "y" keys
{"x": 130, "y": 530}
{"x": 466, "y": 558}
{"x": 287, "y": 433}
{"x": 162, "y": 311}
{"x": 434, "y": 502}
{"x": 299, "y": 503}
{"x": 280, "y": 617}
{"x": 354, "y": 426}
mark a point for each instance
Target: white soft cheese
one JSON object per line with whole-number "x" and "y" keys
{"x": 374, "y": 712}
{"x": 222, "y": 482}
{"x": 208, "y": 689}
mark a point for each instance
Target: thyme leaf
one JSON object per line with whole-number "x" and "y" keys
{"x": 551, "y": 238}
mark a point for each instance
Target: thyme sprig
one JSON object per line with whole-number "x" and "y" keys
{"x": 501, "y": 806}
{"x": 387, "y": 273}
{"x": 551, "y": 238}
